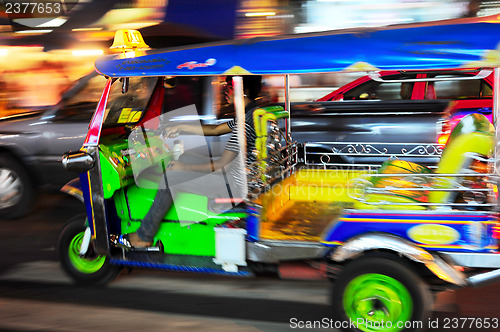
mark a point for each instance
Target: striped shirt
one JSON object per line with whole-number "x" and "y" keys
{"x": 237, "y": 170}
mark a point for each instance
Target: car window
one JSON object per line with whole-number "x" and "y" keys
{"x": 91, "y": 91}
{"x": 382, "y": 90}
{"x": 129, "y": 107}
{"x": 468, "y": 89}
{"x": 81, "y": 104}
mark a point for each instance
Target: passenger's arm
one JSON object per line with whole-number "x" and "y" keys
{"x": 216, "y": 130}
{"x": 207, "y": 130}
{"x": 225, "y": 159}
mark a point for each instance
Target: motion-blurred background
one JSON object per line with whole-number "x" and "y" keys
{"x": 39, "y": 60}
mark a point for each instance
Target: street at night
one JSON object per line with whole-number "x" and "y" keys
{"x": 35, "y": 294}
{"x": 249, "y": 166}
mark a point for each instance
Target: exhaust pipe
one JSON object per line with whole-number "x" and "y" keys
{"x": 484, "y": 279}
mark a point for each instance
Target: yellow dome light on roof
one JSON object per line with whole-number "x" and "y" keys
{"x": 237, "y": 70}
{"x": 128, "y": 40}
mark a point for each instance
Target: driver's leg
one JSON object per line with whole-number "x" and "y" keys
{"x": 151, "y": 223}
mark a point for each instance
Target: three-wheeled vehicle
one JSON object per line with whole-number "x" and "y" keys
{"x": 388, "y": 237}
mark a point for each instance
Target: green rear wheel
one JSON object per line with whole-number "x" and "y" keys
{"x": 89, "y": 269}
{"x": 380, "y": 294}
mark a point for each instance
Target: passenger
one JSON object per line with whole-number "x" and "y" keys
{"x": 406, "y": 90}
{"x": 203, "y": 178}
{"x": 473, "y": 7}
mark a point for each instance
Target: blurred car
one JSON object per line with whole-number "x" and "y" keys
{"x": 344, "y": 133}
{"x": 464, "y": 86}
{"x": 471, "y": 90}
{"x": 32, "y": 143}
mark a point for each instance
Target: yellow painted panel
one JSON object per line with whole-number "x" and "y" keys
{"x": 300, "y": 221}
{"x": 336, "y": 193}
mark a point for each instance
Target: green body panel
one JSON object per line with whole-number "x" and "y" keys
{"x": 188, "y": 227}
{"x": 110, "y": 177}
{"x": 115, "y": 168}
{"x": 187, "y": 207}
{"x": 183, "y": 239}
{"x": 121, "y": 204}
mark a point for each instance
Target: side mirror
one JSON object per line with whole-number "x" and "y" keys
{"x": 77, "y": 161}
{"x": 169, "y": 82}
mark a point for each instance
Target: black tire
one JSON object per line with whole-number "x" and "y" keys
{"x": 361, "y": 293}
{"x": 17, "y": 192}
{"x": 90, "y": 269}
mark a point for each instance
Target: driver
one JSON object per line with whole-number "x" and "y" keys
{"x": 204, "y": 178}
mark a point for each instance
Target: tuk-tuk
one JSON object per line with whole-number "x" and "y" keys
{"x": 387, "y": 237}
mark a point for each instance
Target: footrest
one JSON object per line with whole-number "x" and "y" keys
{"x": 200, "y": 264}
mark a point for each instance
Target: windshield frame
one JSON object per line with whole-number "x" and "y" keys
{"x": 130, "y": 96}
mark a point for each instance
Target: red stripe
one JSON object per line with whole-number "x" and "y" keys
{"x": 96, "y": 123}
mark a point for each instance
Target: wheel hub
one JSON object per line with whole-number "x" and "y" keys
{"x": 376, "y": 298}
{"x": 88, "y": 263}
{"x": 11, "y": 188}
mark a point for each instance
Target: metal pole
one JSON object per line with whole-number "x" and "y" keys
{"x": 239, "y": 108}
{"x": 287, "y": 101}
{"x": 209, "y": 106}
{"x": 496, "y": 117}
{"x": 496, "y": 114}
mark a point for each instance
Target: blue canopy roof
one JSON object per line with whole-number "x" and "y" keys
{"x": 439, "y": 46}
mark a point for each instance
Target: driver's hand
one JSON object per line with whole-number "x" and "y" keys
{"x": 171, "y": 131}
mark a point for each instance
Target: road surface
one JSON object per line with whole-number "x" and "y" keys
{"x": 35, "y": 294}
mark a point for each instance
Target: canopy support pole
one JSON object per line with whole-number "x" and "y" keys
{"x": 496, "y": 117}
{"x": 239, "y": 108}
{"x": 287, "y": 102}
{"x": 496, "y": 95}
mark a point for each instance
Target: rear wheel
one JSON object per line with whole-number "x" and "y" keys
{"x": 16, "y": 188}
{"x": 380, "y": 294}
{"x": 89, "y": 269}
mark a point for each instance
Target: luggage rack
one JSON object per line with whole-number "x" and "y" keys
{"x": 279, "y": 165}
{"x": 478, "y": 190}
{"x": 331, "y": 151}
{"x": 275, "y": 152}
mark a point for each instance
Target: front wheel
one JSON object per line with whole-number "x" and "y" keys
{"x": 380, "y": 294}
{"x": 89, "y": 269}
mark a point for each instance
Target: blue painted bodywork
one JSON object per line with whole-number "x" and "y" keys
{"x": 356, "y": 223}
{"x": 425, "y": 46}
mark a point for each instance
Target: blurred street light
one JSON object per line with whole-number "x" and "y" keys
{"x": 87, "y": 52}
{"x": 255, "y": 14}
